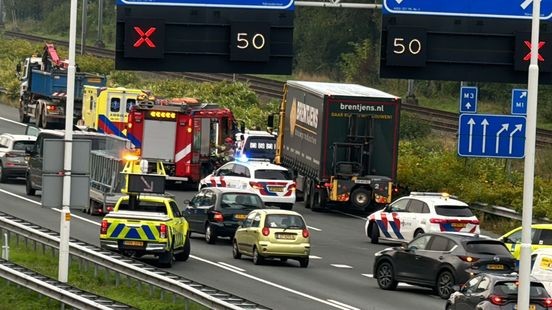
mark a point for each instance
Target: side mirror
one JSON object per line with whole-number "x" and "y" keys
{"x": 270, "y": 121}
{"x": 18, "y": 68}
{"x": 242, "y": 127}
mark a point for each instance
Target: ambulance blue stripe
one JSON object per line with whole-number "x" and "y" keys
{"x": 117, "y": 230}
{"x": 383, "y": 228}
{"x": 148, "y": 232}
{"x": 396, "y": 230}
{"x": 134, "y": 140}
{"x": 116, "y": 130}
{"x": 133, "y": 233}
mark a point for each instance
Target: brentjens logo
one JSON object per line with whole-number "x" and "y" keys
{"x": 304, "y": 114}
{"x": 361, "y": 107}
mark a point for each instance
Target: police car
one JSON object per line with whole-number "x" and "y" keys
{"x": 421, "y": 212}
{"x": 273, "y": 183}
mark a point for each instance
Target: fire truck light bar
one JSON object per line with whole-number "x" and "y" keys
{"x": 161, "y": 115}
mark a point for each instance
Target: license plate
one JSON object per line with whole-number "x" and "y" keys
{"x": 531, "y": 307}
{"x": 285, "y": 236}
{"x": 275, "y": 189}
{"x": 495, "y": 267}
{"x": 459, "y": 225}
{"x": 134, "y": 243}
{"x": 240, "y": 216}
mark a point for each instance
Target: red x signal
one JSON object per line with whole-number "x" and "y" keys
{"x": 528, "y": 56}
{"x": 144, "y": 37}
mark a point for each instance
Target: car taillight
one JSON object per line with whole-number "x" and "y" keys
{"x": 217, "y": 216}
{"x": 51, "y": 107}
{"x": 497, "y": 300}
{"x": 266, "y": 231}
{"x": 438, "y": 221}
{"x": 547, "y": 302}
{"x": 292, "y": 186}
{"x": 305, "y": 233}
{"x": 469, "y": 259}
{"x": 163, "y": 231}
{"x": 103, "y": 228}
{"x": 256, "y": 185}
{"x": 109, "y": 208}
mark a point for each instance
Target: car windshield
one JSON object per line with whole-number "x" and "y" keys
{"x": 284, "y": 221}
{"x": 241, "y": 201}
{"x": 22, "y": 145}
{"x": 150, "y": 206}
{"x": 273, "y": 175}
{"x": 488, "y": 247}
{"x": 536, "y": 290}
{"x": 458, "y": 211}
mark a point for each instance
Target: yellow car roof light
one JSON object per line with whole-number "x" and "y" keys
{"x": 443, "y": 195}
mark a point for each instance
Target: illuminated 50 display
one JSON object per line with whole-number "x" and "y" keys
{"x": 406, "y": 47}
{"x": 250, "y": 42}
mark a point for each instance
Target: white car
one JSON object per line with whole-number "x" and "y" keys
{"x": 13, "y": 161}
{"x": 409, "y": 216}
{"x": 273, "y": 183}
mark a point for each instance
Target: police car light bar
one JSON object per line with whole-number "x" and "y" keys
{"x": 435, "y": 194}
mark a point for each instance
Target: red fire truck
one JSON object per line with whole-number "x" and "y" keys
{"x": 183, "y": 134}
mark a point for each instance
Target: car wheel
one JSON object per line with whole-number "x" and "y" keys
{"x": 210, "y": 236}
{"x": 3, "y": 177}
{"x": 361, "y": 198}
{"x": 385, "y": 276}
{"x": 29, "y": 190}
{"x": 418, "y": 232}
{"x": 235, "y": 251}
{"x": 374, "y": 233}
{"x": 444, "y": 284}
{"x": 166, "y": 259}
{"x": 185, "y": 254}
{"x": 257, "y": 258}
{"x": 304, "y": 262}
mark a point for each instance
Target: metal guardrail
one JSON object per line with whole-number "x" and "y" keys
{"x": 51, "y": 288}
{"x": 208, "y": 296}
{"x": 503, "y": 212}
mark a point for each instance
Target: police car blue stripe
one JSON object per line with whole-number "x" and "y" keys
{"x": 396, "y": 230}
{"x": 117, "y": 230}
{"x": 383, "y": 228}
{"x": 148, "y": 232}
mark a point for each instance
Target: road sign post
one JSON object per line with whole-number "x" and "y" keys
{"x": 487, "y": 135}
{"x": 519, "y": 101}
{"x": 468, "y": 99}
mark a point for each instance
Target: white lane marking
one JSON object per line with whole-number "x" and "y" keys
{"x": 314, "y": 228}
{"x": 12, "y": 121}
{"x": 40, "y": 204}
{"x": 232, "y": 269}
{"x": 271, "y": 283}
{"x": 232, "y": 266}
{"x": 341, "y": 266}
{"x": 351, "y": 215}
{"x": 369, "y": 275}
{"x": 343, "y": 305}
{"x": 314, "y": 257}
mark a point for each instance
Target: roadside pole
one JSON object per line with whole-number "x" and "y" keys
{"x": 63, "y": 269}
{"x": 529, "y": 164}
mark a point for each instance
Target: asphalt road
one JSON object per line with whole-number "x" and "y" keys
{"x": 338, "y": 277}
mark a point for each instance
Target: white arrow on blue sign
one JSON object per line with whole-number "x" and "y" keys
{"x": 241, "y": 4}
{"x": 468, "y": 99}
{"x": 487, "y": 135}
{"x": 521, "y": 9}
{"x": 519, "y": 101}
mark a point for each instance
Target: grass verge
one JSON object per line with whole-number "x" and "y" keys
{"x": 128, "y": 291}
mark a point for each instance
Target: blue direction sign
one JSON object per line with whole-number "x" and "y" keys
{"x": 468, "y": 99}
{"x": 242, "y": 4}
{"x": 519, "y": 101}
{"x": 486, "y": 135}
{"x": 488, "y": 8}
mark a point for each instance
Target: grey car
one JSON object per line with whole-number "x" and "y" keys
{"x": 13, "y": 161}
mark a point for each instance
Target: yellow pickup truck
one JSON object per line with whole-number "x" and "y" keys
{"x": 147, "y": 225}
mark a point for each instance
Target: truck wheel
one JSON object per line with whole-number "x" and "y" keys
{"x": 29, "y": 187}
{"x": 361, "y": 198}
{"x": 166, "y": 259}
{"x": 307, "y": 192}
{"x": 38, "y": 118}
{"x": 44, "y": 121}
{"x": 24, "y": 118}
{"x": 318, "y": 201}
{"x": 185, "y": 254}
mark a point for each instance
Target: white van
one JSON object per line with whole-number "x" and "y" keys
{"x": 255, "y": 144}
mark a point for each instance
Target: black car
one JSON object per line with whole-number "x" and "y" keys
{"x": 441, "y": 260}
{"x": 497, "y": 291}
{"x": 218, "y": 211}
